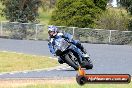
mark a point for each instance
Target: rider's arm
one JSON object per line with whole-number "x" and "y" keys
{"x": 51, "y": 48}
{"x": 68, "y": 36}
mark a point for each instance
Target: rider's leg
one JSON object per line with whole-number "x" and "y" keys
{"x": 79, "y": 45}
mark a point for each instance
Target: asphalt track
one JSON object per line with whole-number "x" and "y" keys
{"x": 107, "y": 59}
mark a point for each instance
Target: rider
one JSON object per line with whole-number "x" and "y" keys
{"x": 54, "y": 33}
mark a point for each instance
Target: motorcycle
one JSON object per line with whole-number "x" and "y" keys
{"x": 71, "y": 55}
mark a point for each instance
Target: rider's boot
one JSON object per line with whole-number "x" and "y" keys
{"x": 82, "y": 49}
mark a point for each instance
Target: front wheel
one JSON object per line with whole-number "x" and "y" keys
{"x": 71, "y": 60}
{"x": 87, "y": 63}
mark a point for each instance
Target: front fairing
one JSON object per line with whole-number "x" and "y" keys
{"x": 61, "y": 44}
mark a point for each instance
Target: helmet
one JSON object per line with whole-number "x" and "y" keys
{"x": 52, "y": 28}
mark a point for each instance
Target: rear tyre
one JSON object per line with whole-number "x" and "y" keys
{"x": 71, "y": 60}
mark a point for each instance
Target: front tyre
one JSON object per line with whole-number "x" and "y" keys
{"x": 87, "y": 63}
{"x": 71, "y": 60}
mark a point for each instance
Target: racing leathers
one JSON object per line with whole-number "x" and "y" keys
{"x": 68, "y": 37}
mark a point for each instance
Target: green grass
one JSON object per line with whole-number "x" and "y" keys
{"x": 19, "y": 62}
{"x": 69, "y": 85}
{"x": 78, "y": 86}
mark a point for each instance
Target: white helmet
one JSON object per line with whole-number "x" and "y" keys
{"x": 52, "y": 28}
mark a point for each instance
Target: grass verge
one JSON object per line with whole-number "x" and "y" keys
{"x": 19, "y": 62}
{"x": 65, "y": 83}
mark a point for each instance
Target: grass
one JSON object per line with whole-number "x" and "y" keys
{"x": 56, "y": 84}
{"x": 77, "y": 86}
{"x": 19, "y": 62}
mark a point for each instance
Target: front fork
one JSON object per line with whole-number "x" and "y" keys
{"x": 78, "y": 51}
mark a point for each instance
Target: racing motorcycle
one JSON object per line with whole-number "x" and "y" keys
{"x": 71, "y": 55}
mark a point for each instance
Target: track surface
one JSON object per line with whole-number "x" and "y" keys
{"x": 107, "y": 59}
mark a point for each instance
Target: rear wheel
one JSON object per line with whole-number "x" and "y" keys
{"x": 72, "y": 61}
